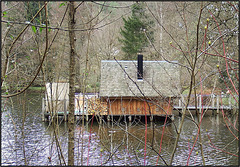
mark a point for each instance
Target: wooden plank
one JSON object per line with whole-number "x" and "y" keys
{"x": 136, "y": 107}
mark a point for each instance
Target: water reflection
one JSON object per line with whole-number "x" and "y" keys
{"x": 110, "y": 143}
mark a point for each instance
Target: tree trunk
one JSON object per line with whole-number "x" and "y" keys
{"x": 71, "y": 26}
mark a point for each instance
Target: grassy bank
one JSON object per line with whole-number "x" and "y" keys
{"x": 36, "y": 89}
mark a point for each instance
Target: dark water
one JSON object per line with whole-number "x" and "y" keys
{"x": 26, "y": 140}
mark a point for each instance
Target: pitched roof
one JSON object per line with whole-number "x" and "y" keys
{"x": 119, "y": 79}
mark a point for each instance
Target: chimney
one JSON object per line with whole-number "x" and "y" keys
{"x": 140, "y": 67}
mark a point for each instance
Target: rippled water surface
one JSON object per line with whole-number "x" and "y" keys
{"x": 26, "y": 140}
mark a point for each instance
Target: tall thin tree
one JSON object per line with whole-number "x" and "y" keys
{"x": 71, "y": 26}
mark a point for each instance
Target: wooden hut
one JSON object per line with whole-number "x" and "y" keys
{"x": 56, "y": 93}
{"x": 139, "y": 87}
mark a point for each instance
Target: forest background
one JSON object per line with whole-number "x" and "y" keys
{"x": 66, "y": 41}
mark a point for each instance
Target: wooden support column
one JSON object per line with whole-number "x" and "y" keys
{"x": 213, "y": 100}
{"x": 217, "y": 104}
{"x": 200, "y": 104}
{"x": 179, "y": 102}
{"x": 130, "y": 118}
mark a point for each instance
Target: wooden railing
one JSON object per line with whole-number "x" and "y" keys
{"x": 60, "y": 107}
{"x": 212, "y": 102}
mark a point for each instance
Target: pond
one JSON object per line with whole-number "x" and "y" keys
{"x": 26, "y": 140}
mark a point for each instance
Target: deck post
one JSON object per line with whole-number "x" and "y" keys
{"x": 200, "y": 104}
{"x": 182, "y": 105}
{"x": 217, "y": 104}
{"x": 65, "y": 109}
{"x": 213, "y": 100}
{"x": 179, "y": 102}
{"x": 43, "y": 109}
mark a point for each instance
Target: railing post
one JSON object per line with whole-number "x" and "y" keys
{"x": 65, "y": 109}
{"x": 182, "y": 103}
{"x": 217, "y": 104}
{"x": 179, "y": 102}
{"x": 43, "y": 109}
{"x": 200, "y": 103}
{"x": 213, "y": 100}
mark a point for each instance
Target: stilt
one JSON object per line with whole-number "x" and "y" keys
{"x": 217, "y": 104}
{"x": 151, "y": 118}
{"x": 108, "y": 118}
{"x": 87, "y": 117}
{"x": 130, "y": 118}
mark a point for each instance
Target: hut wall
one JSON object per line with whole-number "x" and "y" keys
{"x": 138, "y": 107}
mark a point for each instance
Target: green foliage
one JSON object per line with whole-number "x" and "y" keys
{"x": 62, "y": 4}
{"x": 4, "y": 14}
{"x": 40, "y": 29}
{"x": 134, "y": 39}
{"x": 34, "y": 29}
{"x": 11, "y": 37}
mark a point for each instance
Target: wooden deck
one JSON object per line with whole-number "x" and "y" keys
{"x": 92, "y": 104}
{"x": 204, "y": 108}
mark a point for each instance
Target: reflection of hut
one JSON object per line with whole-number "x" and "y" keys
{"x": 133, "y": 87}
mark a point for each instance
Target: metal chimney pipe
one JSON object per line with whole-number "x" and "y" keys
{"x": 140, "y": 67}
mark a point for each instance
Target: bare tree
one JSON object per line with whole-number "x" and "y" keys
{"x": 72, "y": 38}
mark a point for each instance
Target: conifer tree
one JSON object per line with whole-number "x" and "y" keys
{"x": 134, "y": 39}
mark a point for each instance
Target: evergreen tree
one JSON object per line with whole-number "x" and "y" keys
{"x": 133, "y": 38}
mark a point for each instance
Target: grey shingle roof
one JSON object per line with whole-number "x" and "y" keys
{"x": 160, "y": 78}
